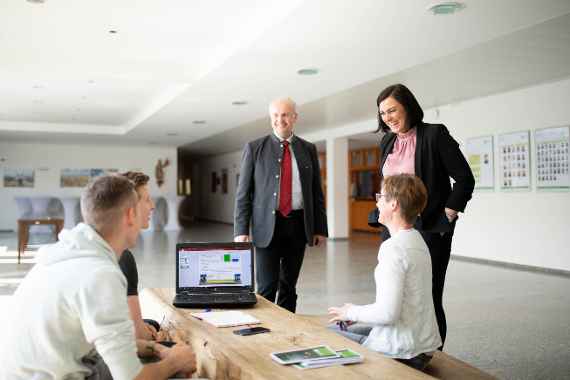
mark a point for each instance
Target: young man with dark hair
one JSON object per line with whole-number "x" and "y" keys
{"x": 144, "y": 329}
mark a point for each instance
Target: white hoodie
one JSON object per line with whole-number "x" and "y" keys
{"x": 71, "y": 302}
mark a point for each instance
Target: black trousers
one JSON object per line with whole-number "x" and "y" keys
{"x": 440, "y": 251}
{"x": 278, "y": 265}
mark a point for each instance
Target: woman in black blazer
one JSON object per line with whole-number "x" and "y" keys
{"x": 435, "y": 159}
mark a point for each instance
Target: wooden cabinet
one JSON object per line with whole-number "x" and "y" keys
{"x": 359, "y": 210}
{"x": 364, "y": 183}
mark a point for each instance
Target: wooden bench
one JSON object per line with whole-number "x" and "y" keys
{"x": 443, "y": 366}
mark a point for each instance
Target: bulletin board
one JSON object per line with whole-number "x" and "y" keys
{"x": 514, "y": 160}
{"x": 480, "y": 157}
{"x": 552, "y": 158}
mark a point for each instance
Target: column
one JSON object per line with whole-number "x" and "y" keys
{"x": 69, "y": 209}
{"x": 172, "y": 219}
{"x": 337, "y": 187}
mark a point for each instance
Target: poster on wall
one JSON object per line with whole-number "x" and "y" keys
{"x": 552, "y": 159}
{"x": 19, "y": 177}
{"x": 480, "y": 158}
{"x": 514, "y": 160}
{"x": 81, "y": 177}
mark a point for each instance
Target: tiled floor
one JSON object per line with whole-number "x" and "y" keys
{"x": 513, "y": 324}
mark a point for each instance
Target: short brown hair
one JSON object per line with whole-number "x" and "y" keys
{"x": 105, "y": 199}
{"x": 138, "y": 178}
{"x": 409, "y": 191}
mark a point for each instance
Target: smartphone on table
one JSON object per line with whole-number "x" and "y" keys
{"x": 251, "y": 331}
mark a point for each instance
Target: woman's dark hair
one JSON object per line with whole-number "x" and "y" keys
{"x": 405, "y": 97}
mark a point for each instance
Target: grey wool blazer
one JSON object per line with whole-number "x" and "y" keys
{"x": 258, "y": 189}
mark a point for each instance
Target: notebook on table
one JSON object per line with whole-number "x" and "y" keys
{"x": 214, "y": 275}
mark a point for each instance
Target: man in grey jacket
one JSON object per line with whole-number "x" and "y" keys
{"x": 280, "y": 197}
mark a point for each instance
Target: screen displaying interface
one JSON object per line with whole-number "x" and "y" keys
{"x": 214, "y": 267}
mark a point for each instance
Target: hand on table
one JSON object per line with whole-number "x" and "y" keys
{"x": 339, "y": 314}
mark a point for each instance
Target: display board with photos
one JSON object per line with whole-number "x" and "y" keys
{"x": 481, "y": 160}
{"x": 552, "y": 158}
{"x": 514, "y": 160}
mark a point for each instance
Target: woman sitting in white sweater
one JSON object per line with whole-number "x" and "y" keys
{"x": 401, "y": 324}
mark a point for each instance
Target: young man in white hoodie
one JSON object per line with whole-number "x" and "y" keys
{"x": 73, "y": 301}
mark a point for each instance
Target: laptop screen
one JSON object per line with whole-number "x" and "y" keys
{"x": 214, "y": 265}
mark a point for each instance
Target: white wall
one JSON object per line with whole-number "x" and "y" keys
{"x": 49, "y": 159}
{"x": 528, "y": 228}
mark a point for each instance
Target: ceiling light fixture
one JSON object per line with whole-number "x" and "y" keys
{"x": 112, "y": 31}
{"x": 199, "y": 122}
{"x": 36, "y": 1}
{"x": 308, "y": 71}
{"x": 239, "y": 102}
{"x": 446, "y": 7}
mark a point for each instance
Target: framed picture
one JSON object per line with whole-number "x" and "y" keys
{"x": 19, "y": 177}
{"x": 552, "y": 158}
{"x": 481, "y": 160}
{"x": 514, "y": 160}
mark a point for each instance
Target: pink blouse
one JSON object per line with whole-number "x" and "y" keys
{"x": 402, "y": 158}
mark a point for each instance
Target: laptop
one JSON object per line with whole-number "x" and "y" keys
{"x": 214, "y": 275}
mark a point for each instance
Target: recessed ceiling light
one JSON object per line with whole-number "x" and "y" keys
{"x": 239, "y": 102}
{"x": 112, "y": 31}
{"x": 445, "y": 7}
{"x": 36, "y": 1}
{"x": 199, "y": 122}
{"x": 172, "y": 134}
{"x": 308, "y": 71}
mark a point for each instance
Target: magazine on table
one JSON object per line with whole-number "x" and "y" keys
{"x": 345, "y": 356}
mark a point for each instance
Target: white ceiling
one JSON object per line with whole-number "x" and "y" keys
{"x": 66, "y": 78}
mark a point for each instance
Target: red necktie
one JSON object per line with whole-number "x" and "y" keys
{"x": 286, "y": 185}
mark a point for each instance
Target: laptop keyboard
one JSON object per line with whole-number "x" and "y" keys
{"x": 217, "y": 298}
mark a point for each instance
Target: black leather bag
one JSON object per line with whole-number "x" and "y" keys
{"x": 373, "y": 218}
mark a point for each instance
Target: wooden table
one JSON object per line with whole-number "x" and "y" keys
{"x": 223, "y": 355}
{"x": 24, "y": 230}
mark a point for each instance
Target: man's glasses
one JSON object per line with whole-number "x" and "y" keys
{"x": 378, "y": 196}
